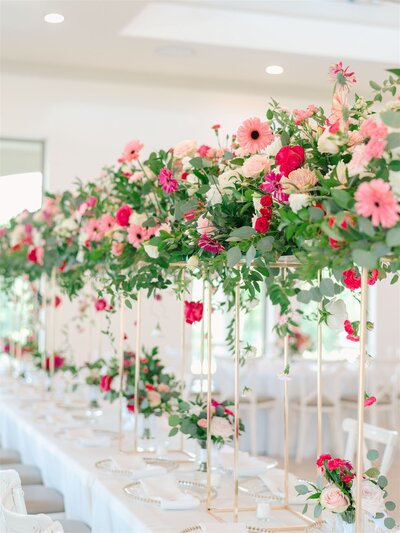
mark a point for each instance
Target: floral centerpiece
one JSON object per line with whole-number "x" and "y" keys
{"x": 335, "y": 491}
{"x": 191, "y": 420}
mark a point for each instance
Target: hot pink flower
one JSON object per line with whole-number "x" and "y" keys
{"x": 203, "y": 150}
{"x": 92, "y": 201}
{"x": 105, "y": 383}
{"x": 193, "y": 312}
{"x": 341, "y": 75}
{"x": 369, "y": 400}
{"x": 375, "y": 199}
{"x": 131, "y": 151}
{"x": 107, "y": 223}
{"x": 349, "y": 329}
{"x": 100, "y": 304}
{"x": 58, "y": 362}
{"x": 167, "y": 182}
{"x": 136, "y": 235}
{"x": 339, "y": 463}
{"x": 117, "y": 248}
{"x": 93, "y": 230}
{"x": 254, "y": 135}
{"x": 57, "y": 301}
{"x": 289, "y": 158}
{"x": 210, "y": 245}
{"x": 324, "y": 457}
{"x": 123, "y": 214}
{"x": 352, "y": 280}
{"x": 36, "y": 254}
{"x": 273, "y": 186}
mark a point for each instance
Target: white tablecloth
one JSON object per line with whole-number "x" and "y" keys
{"x": 91, "y": 495}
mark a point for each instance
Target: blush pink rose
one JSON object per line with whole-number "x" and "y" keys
{"x": 163, "y": 387}
{"x": 204, "y": 226}
{"x": 202, "y": 422}
{"x": 255, "y": 165}
{"x": 117, "y": 248}
{"x": 154, "y": 398}
{"x": 333, "y": 499}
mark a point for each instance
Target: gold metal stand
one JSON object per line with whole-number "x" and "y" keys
{"x": 121, "y": 366}
{"x": 361, "y": 391}
{"x": 319, "y": 375}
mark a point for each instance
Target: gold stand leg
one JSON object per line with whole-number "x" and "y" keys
{"x": 52, "y": 321}
{"x": 361, "y": 390}
{"x": 137, "y": 368}
{"x": 121, "y": 366}
{"x": 209, "y": 414}
{"x": 182, "y": 350}
{"x": 319, "y": 377}
{"x": 286, "y": 416}
{"x": 237, "y": 396}
{"x": 202, "y": 344}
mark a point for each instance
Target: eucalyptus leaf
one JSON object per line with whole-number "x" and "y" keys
{"x": 389, "y": 522}
{"x": 391, "y": 118}
{"x": 393, "y": 140}
{"x": 327, "y": 287}
{"x": 302, "y": 489}
{"x": 318, "y": 510}
{"x": 234, "y": 255}
{"x": 372, "y": 472}
{"x": 243, "y": 233}
{"x": 250, "y": 255}
{"x": 382, "y": 481}
{"x": 265, "y": 244}
{"x": 390, "y": 506}
{"x": 363, "y": 258}
{"x": 372, "y": 455}
{"x": 366, "y": 226}
{"x": 393, "y": 237}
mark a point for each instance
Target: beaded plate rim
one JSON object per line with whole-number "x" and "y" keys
{"x": 168, "y": 464}
{"x": 181, "y": 483}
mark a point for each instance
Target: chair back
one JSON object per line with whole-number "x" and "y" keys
{"x": 11, "y": 493}
{"x": 386, "y": 437}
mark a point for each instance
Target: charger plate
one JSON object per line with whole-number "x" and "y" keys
{"x": 317, "y": 527}
{"x": 107, "y": 466}
{"x": 193, "y": 488}
{"x": 255, "y": 488}
{"x": 63, "y": 433}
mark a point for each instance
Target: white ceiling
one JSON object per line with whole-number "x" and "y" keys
{"x": 217, "y": 43}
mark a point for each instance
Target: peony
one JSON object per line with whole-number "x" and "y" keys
{"x": 123, "y": 214}
{"x": 299, "y": 180}
{"x": 154, "y": 398}
{"x": 333, "y": 499}
{"x": 185, "y": 148}
{"x": 337, "y": 314}
{"x": 204, "y": 226}
{"x": 254, "y": 165}
{"x": 289, "y": 158}
{"x": 327, "y": 144}
{"x": 221, "y": 427}
{"x": 372, "y": 497}
{"x": 298, "y": 201}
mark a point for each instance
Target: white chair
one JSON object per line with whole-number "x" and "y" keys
{"x": 13, "y": 515}
{"x": 305, "y": 405}
{"x": 386, "y": 437}
{"x": 13, "y": 512}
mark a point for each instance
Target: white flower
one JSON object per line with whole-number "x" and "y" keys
{"x": 194, "y": 181}
{"x": 227, "y": 180}
{"x": 274, "y": 147}
{"x": 372, "y": 497}
{"x": 137, "y": 219}
{"x": 185, "y": 148}
{"x": 393, "y": 105}
{"x": 298, "y": 201}
{"x": 196, "y": 410}
{"x": 151, "y": 250}
{"x": 221, "y": 427}
{"x": 257, "y": 203}
{"x": 213, "y": 195}
{"x": 333, "y": 499}
{"x": 193, "y": 262}
{"x": 337, "y": 314}
{"x": 341, "y": 172}
{"x": 65, "y": 227}
{"x": 394, "y": 178}
{"x": 326, "y": 144}
{"x": 17, "y": 234}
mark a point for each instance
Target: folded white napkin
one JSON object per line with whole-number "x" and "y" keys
{"x": 248, "y": 465}
{"x": 274, "y": 480}
{"x": 226, "y": 527}
{"x": 166, "y": 490}
{"x": 136, "y": 466}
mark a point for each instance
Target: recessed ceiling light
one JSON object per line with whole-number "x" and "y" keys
{"x": 175, "y": 51}
{"x": 274, "y": 69}
{"x": 54, "y": 18}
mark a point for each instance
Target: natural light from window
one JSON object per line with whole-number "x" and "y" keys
{"x": 19, "y": 192}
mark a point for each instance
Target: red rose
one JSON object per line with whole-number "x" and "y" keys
{"x": 123, "y": 214}
{"x": 184, "y": 175}
{"x": 100, "y": 304}
{"x": 58, "y": 362}
{"x": 261, "y": 225}
{"x": 193, "y": 312}
{"x": 289, "y": 158}
{"x": 266, "y": 212}
{"x": 266, "y": 201}
{"x": 57, "y": 301}
{"x": 105, "y": 383}
{"x": 149, "y": 387}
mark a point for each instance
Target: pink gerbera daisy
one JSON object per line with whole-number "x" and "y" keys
{"x": 375, "y": 199}
{"x": 210, "y": 245}
{"x": 137, "y": 235}
{"x": 131, "y": 151}
{"x": 167, "y": 182}
{"x": 254, "y": 135}
{"x": 107, "y": 223}
{"x": 93, "y": 230}
{"x": 341, "y": 75}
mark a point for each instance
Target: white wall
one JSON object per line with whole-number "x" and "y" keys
{"x": 87, "y": 123}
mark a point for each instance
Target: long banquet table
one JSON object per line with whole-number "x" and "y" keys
{"x": 91, "y": 495}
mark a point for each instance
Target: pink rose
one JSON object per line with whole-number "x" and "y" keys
{"x": 117, "y": 248}
{"x": 204, "y": 226}
{"x": 154, "y": 398}
{"x": 163, "y": 387}
{"x": 105, "y": 383}
{"x": 100, "y": 304}
{"x": 202, "y": 423}
{"x": 255, "y": 165}
{"x": 333, "y": 499}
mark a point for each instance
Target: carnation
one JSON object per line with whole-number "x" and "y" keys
{"x": 298, "y": 201}
{"x": 299, "y": 180}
